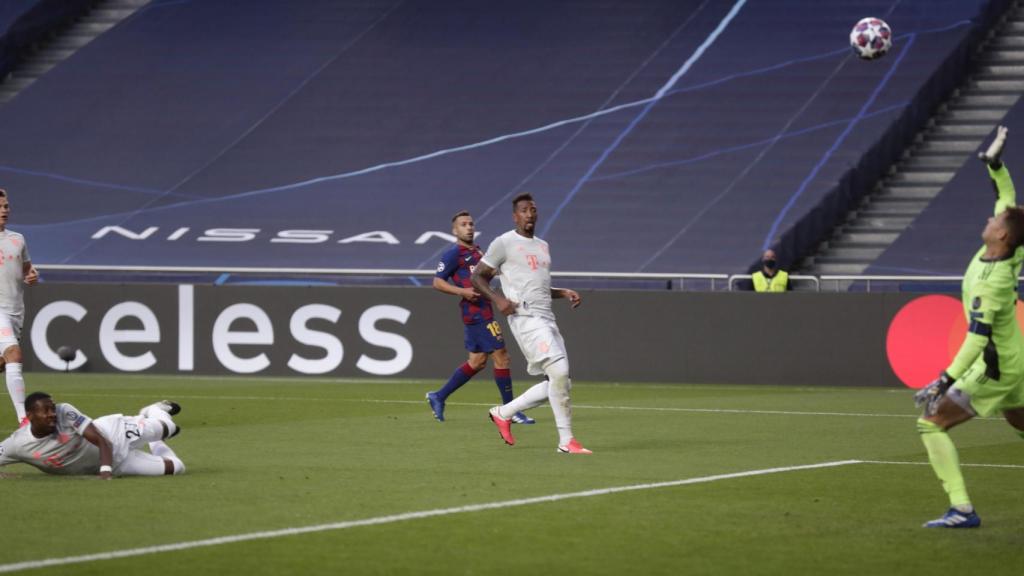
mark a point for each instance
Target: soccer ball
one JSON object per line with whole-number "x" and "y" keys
{"x": 871, "y": 38}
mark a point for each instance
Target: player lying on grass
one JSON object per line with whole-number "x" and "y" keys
{"x": 61, "y": 440}
{"x": 987, "y": 375}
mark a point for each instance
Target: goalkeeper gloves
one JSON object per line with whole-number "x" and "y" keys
{"x": 929, "y": 396}
{"x": 995, "y": 149}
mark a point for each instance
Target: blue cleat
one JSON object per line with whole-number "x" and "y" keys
{"x": 956, "y": 519}
{"x": 436, "y": 406}
{"x": 520, "y": 418}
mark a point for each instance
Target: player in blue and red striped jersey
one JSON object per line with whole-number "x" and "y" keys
{"x": 483, "y": 333}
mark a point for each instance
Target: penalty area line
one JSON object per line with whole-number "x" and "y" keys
{"x": 394, "y": 518}
{"x": 963, "y": 464}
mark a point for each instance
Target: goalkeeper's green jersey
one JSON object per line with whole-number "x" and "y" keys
{"x": 990, "y": 302}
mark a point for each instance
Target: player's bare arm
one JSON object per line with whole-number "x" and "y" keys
{"x": 106, "y": 451}
{"x": 481, "y": 280}
{"x": 31, "y": 274}
{"x": 571, "y": 295}
{"x": 448, "y": 288}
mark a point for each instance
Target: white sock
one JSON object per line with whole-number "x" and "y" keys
{"x": 161, "y": 449}
{"x": 558, "y": 395}
{"x": 533, "y": 397}
{"x": 561, "y": 405}
{"x": 153, "y": 412}
{"x": 16, "y": 388}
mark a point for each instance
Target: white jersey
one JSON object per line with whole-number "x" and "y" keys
{"x": 524, "y": 265}
{"x": 13, "y": 255}
{"x": 65, "y": 451}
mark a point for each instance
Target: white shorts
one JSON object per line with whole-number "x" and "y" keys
{"x": 539, "y": 340}
{"x": 10, "y": 331}
{"x": 127, "y": 434}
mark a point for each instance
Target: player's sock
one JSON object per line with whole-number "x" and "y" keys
{"x": 561, "y": 406}
{"x": 946, "y": 463}
{"x": 503, "y": 378}
{"x": 161, "y": 449}
{"x": 461, "y": 376}
{"x": 534, "y": 396}
{"x": 156, "y": 417}
{"x": 558, "y": 395}
{"x": 16, "y": 388}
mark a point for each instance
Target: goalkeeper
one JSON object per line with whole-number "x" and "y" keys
{"x": 987, "y": 374}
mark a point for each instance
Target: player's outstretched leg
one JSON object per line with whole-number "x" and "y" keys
{"x": 437, "y": 398}
{"x": 946, "y": 462}
{"x": 503, "y": 378}
{"x": 534, "y": 396}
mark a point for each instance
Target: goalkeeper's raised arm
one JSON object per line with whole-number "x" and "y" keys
{"x": 1006, "y": 194}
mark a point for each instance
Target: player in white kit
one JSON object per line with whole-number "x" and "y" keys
{"x": 524, "y": 263}
{"x": 16, "y": 271}
{"x": 62, "y": 440}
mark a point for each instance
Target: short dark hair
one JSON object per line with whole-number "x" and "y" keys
{"x": 523, "y": 197}
{"x": 3, "y": 193}
{"x": 459, "y": 214}
{"x": 34, "y": 398}
{"x": 1015, "y": 226}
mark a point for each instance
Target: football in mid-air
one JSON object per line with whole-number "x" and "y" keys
{"x": 871, "y": 38}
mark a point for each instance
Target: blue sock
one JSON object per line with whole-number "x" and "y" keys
{"x": 461, "y": 376}
{"x": 503, "y": 378}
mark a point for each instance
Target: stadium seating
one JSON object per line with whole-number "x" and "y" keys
{"x": 372, "y": 122}
{"x": 24, "y": 22}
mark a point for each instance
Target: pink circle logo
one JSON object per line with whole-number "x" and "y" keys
{"x": 924, "y": 337}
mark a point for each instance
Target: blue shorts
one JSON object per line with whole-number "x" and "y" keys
{"x": 484, "y": 337}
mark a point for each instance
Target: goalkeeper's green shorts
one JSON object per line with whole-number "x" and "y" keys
{"x": 989, "y": 396}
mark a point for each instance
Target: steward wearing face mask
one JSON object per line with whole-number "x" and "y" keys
{"x": 769, "y": 278}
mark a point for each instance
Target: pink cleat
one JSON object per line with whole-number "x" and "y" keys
{"x": 24, "y": 422}
{"x": 504, "y": 426}
{"x": 574, "y": 447}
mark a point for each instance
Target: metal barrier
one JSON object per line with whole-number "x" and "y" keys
{"x": 845, "y": 282}
{"x": 715, "y": 281}
{"x": 792, "y": 278}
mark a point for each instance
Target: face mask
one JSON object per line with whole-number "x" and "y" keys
{"x": 770, "y": 264}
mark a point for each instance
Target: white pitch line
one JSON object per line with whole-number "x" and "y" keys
{"x": 391, "y": 519}
{"x": 489, "y": 404}
{"x": 963, "y": 464}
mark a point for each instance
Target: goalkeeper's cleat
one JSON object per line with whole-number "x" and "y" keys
{"x": 520, "y": 418}
{"x": 573, "y": 447}
{"x": 436, "y": 406}
{"x": 995, "y": 149}
{"x": 504, "y": 426}
{"x": 954, "y": 518}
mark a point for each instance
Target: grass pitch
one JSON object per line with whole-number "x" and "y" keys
{"x": 267, "y": 455}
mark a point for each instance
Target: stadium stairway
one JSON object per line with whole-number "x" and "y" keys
{"x": 104, "y": 16}
{"x": 953, "y": 136}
